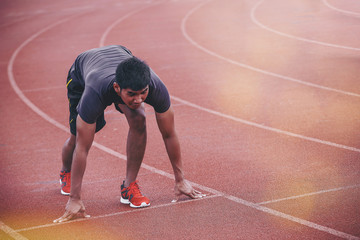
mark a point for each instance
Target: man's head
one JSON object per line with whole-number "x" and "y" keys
{"x": 132, "y": 81}
{"x": 133, "y": 73}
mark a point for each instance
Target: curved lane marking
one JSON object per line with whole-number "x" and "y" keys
{"x": 16, "y": 88}
{"x": 253, "y": 18}
{"x": 183, "y": 28}
{"x": 108, "y": 29}
{"x": 354, "y": 14}
{"x": 310, "y": 194}
{"x": 155, "y": 170}
{"x": 193, "y": 42}
{"x": 110, "y": 214}
{"x": 276, "y": 130}
{"x": 11, "y": 232}
{"x": 236, "y": 199}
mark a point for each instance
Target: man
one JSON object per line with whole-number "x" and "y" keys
{"x": 98, "y": 78}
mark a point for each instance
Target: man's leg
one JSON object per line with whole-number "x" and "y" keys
{"x": 136, "y": 142}
{"x": 74, "y": 92}
{"x": 135, "y": 149}
{"x": 65, "y": 174}
{"x": 67, "y": 153}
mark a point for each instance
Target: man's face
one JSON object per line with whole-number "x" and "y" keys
{"x": 133, "y": 99}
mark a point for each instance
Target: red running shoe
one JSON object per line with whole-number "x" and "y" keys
{"x": 65, "y": 181}
{"x": 132, "y": 195}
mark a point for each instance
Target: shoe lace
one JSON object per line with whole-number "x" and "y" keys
{"x": 66, "y": 177}
{"x": 135, "y": 190}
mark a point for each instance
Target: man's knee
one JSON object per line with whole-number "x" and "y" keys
{"x": 71, "y": 140}
{"x": 137, "y": 121}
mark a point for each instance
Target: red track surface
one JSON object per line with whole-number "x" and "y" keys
{"x": 267, "y": 102}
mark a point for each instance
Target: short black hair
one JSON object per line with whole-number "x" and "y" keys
{"x": 133, "y": 73}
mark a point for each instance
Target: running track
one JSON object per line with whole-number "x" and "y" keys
{"x": 267, "y": 102}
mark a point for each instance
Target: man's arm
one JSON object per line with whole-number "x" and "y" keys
{"x": 84, "y": 137}
{"x": 85, "y": 133}
{"x": 166, "y": 126}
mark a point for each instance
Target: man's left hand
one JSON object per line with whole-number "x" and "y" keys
{"x": 185, "y": 188}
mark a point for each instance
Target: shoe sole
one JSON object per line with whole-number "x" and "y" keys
{"x": 143, "y": 204}
{"x": 126, "y": 201}
{"x": 62, "y": 192}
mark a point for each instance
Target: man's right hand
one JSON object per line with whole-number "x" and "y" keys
{"x": 74, "y": 208}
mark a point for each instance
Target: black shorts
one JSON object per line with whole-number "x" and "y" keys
{"x": 74, "y": 93}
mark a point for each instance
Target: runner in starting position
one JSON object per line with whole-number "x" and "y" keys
{"x": 98, "y": 78}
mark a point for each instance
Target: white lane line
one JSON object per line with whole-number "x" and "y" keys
{"x": 183, "y": 27}
{"x": 17, "y": 20}
{"x": 294, "y": 219}
{"x": 109, "y": 28}
{"x": 253, "y": 18}
{"x": 213, "y": 191}
{"x": 32, "y": 106}
{"x": 310, "y": 194}
{"x": 266, "y": 127}
{"x": 107, "y": 31}
{"x": 194, "y": 43}
{"x": 354, "y": 14}
{"x": 163, "y": 173}
{"x": 11, "y": 232}
{"x": 43, "y": 89}
{"x": 114, "y": 214}
{"x": 16, "y": 87}
{"x": 236, "y": 199}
